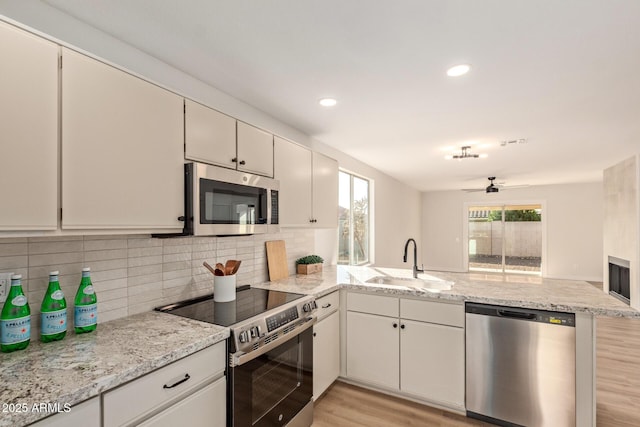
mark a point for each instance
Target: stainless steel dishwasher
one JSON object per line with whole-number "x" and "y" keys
{"x": 520, "y": 366}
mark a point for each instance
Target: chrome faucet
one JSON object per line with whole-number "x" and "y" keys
{"x": 416, "y": 270}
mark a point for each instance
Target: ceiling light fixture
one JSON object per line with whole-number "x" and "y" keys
{"x": 458, "y": 70}
{"x": 465, "y": 153}
{"x": 328, "y": 102}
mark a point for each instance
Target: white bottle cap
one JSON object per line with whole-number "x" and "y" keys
{"x": 54, "y": 273}
{"x": 16, "y": 277}
{"x": 86, "y": 269}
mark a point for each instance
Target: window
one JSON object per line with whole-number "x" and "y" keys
{"x": 353, "y": 219}
{"x": 506, "y": 238}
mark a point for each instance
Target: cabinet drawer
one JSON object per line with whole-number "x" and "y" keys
{"x": 149, "y": 392}
{"x": 433, "y": 312}
{"x": 374, "y": 304}
{"x": 205, "y": 408}
{"x": 328, "y": 304}
{"x": 85, "y": 414}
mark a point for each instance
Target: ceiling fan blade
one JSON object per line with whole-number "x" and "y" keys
{"x": 473, "y": 190}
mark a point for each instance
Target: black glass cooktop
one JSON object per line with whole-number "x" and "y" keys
{"x": 249, "y": 302}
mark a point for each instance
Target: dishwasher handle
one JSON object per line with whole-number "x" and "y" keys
{"x": 516, "y": 314}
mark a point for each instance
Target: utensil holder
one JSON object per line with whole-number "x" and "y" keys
{"x": 224, "y": 288}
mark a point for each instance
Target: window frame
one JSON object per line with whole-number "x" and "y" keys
{"x": 351, "y": 240}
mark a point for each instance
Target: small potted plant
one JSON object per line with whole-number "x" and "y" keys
{"x": 309, "y": 264}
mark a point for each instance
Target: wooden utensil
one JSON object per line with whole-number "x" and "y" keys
{"x": 220, "y": 267}
{"x": 236, "y": 266}
{"x": 208, "y": 267}
{"x": 218, "y": 272}
{"x": 277, "y": 259}
{"x": 228, "y": 266}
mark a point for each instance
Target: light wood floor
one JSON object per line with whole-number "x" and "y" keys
{"x": 618, "y": 391}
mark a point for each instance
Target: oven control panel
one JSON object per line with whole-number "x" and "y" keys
{"x": 256, "y": 332}
{"x": 282, "y": 318}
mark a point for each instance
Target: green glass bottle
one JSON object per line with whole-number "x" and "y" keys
{"x": 53, "y": 317}
{"x": 15, "y": 319}
{"x": 86, "y": 310}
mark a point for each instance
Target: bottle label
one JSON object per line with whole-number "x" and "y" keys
{"x": 89, "y": 290}
{"x": 86, "y": 315}
{"x": 14, "y": 331}
{"x": 54, "y": 322}
{"x": 57, "y": 295}
{"x": 19, "y": 301}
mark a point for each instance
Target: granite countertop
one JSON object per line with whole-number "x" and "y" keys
{"x": 83, "y": 366}
{"x": 513, "y": 290}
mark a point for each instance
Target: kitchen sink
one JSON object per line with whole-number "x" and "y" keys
{"x": 410, "y": 283}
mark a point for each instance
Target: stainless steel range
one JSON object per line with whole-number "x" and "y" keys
{"x": 270, "y": 349}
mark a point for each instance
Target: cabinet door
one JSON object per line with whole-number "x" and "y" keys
{"x": 210, "y": 136}
{"x": 122, "y": 149}
{"x": 204, "y": 408}
{"x": 326, "y": 353}
{"x": 255, "y": 150}
{"x": 29, "y": 123}
{"x": 85, "y": 414}
{"x": 293, "y": 170}
{"x": 373, "y": 349}
{"x": 325, "y": 191}
{"x": 432, "y": 362}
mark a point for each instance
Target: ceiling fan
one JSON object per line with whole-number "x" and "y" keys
{"x": 493, "y": 187}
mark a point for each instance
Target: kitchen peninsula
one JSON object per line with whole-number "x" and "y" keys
{"x": 82, "y": 367}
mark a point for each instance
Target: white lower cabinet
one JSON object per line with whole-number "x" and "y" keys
{"x": 372, "y": 349}
{"x": 85, "y": 414}
{"x": 432, "y": 362}
{"x": 326, "y": 344}
{"x": 326, "y": 353}
{"x": 413, "y": 347}
{"x": 192, "y": 387}
{"x": 204, "y": 408}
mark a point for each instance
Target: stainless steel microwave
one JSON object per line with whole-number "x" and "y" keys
{"x": 222, "y": 201}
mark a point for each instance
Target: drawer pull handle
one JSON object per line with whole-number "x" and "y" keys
{"x": 186, "y": 378}
{"x": 326, "y": 305}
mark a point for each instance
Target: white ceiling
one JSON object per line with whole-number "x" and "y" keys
{"x": 563, "y": 74}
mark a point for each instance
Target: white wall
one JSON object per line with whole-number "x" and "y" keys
{"x": 573, "y": 216}
{"x": 396, "y": 205}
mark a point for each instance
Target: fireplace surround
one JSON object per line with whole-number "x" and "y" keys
{"x": 619, "y": 279}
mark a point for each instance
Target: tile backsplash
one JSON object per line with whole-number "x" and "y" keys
{"x": 135, "y": 273}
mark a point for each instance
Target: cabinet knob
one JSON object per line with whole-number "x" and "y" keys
{"x": 314, "y": 334}
{"x": 242, "y": 162}
{"x": 234, "y": 160}
{"x": 401, "y": 326}
{"x": 181, "y": 218}
{"x": 395, "y": 325}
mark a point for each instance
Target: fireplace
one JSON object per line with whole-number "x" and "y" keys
{"x": 619, "y": 285}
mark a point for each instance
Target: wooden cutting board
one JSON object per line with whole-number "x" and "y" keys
{"x": 277, "y": 259}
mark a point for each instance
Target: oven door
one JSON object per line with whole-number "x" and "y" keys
{"x": 272, "y": 388}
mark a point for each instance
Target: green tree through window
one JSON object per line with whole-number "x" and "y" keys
{"x": 353, "y": 220}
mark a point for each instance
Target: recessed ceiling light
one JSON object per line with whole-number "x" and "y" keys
{"x": 328, "y": 102}
{"x": 458, "y": 70}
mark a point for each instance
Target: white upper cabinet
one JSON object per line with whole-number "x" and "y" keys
{"x": 122, "y": 149}
{"x": 255, "y": 150}
{"x": 308, "y": 186}
{"x": 325, "y": 191}
{"x": 29, "y": 123}
{"x": 293, "y": 170}
{"x": 210, "y": 136}
{"x": 215, "y": 138}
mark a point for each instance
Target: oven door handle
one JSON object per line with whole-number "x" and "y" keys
{"x": 240, "y": 358}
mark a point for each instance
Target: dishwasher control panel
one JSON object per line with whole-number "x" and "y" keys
{"x": 518, "y": 313}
